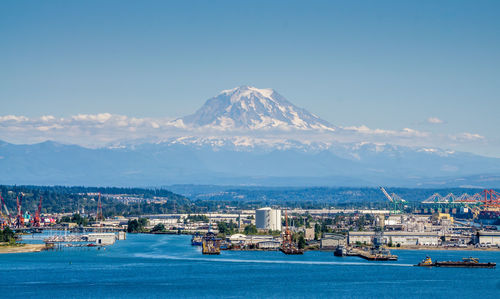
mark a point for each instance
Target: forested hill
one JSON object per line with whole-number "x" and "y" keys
{"x": 199, "y": 198}
{"x": 57, "y": 199}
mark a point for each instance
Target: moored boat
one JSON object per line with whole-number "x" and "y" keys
{"x": 291, "y": 249}
{"x": 340, "y": 251}
{"x": 197, "y": 240}
{"x": 288, "y": 246}
{"x": 210, "y": 244}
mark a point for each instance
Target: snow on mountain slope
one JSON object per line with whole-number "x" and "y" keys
{"x": 247, "y": 107}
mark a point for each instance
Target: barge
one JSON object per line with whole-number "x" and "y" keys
{"x": 469, "y": 262}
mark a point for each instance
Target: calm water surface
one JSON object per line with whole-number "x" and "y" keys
{"x": 159, "y": 266}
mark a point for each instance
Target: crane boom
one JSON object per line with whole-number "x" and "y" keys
{"x": 386, "y": 194}
{"x": 5, "y": 207}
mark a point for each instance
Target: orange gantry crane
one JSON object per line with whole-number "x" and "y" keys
{"x": 491, "y": 199}
{"x": 37, "y": 219}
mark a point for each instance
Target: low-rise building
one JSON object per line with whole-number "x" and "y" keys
{"x": 269, "y": 245}
{"x": 397, "y": 237}
{"x": 102, "y": 238}
{"x": 243, "y": 240}
{"x": 309, "y": 234}
{"x": 488, "y": 238}
{"x": 330, "y": 241}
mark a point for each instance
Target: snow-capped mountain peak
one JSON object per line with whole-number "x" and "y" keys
{"x": 247, "y": 107}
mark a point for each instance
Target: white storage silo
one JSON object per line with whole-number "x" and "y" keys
{"x": 267, "y": 218}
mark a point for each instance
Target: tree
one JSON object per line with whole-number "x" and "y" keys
{"x": 251, "y": 229}
{"x": 301, "y": 242}
{"x": 158, "y": 228}
{"x": 133, "y": 226}
{"x": 143, "y": 222}
{"x": 7, "y": 235}
{"x": 137, "y": 226}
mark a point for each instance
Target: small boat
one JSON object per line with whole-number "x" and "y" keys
{"x": 197, "y": 240}
{"x": 469, "y": 262}
{"x": 340, "y": 251}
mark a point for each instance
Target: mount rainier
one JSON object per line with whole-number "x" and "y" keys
{"x": 248, "y": 107}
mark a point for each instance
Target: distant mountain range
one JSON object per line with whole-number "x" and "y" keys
{"x": 51, "y": 163}
{"x": 246, "y": 136}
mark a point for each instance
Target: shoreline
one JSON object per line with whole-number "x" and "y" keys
{"x": 22, "y": 248}
{"x": 444, "y": 248}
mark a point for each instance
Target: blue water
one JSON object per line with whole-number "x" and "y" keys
{"x": 159, "y": 266}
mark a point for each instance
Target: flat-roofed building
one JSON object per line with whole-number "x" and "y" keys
{"x": 489, "y": 238}
{"x": 397, "y": 237}
{"x": 330, "y": 241}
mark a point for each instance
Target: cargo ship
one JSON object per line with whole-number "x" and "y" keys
{"x": 469, "y": 262}
{"x": 210, "y": 244}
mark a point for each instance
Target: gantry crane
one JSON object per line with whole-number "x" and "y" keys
{"x": 37, "y": 219}
{"x": 5, "y": 216}
{"x": 19, "y": 222}
{"x": 396, "y": 201}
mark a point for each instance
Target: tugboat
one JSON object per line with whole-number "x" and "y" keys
{"x": 427, "y": 262}
{"x": 288, "y": 247}
{"x": 469, "y": 262}
{"x": 340, "y": 251}
{"x": 197, "y": 240}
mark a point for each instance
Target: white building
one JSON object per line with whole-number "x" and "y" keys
{"x": 398, "y": 237}
{"x": 102, "y": 238}
{"x": 489, "y": 238}
{"x": 262, "y": 241}
{"x": 267, "y": 218}
{"x": 331, "y": 241}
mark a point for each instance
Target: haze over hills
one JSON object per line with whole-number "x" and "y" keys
{"x": 243, "y": 136}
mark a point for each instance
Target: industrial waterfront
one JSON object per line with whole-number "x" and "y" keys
{"x": 152, "y": 266}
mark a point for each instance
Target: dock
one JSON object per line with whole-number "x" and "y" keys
{"x": 372, "y": 255}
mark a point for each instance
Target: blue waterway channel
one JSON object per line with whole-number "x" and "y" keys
{"x": 167, "y": 266}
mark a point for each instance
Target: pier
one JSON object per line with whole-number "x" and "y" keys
{"x": 372, "y": 255}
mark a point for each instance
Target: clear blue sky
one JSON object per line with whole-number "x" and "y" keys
{"x": 384, "y": 64}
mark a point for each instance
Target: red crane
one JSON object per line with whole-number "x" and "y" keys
{"x": 37, "y": 220}
{"x": 99, "y": 209}
{"x": 4, "y": 206}
{"x": 287, "y": 237}
{"x": 19, "y": 223}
